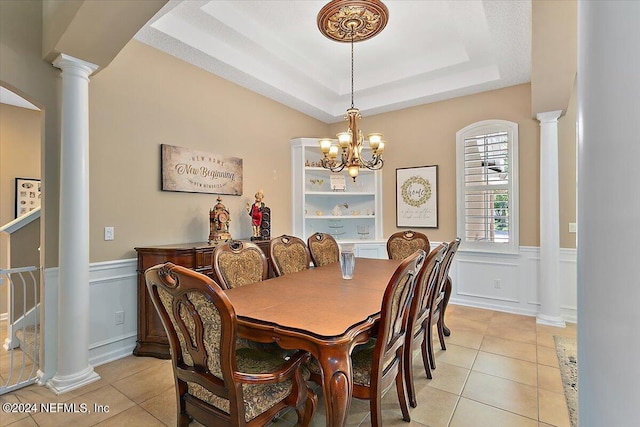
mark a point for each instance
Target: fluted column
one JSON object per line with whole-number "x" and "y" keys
{"x": 73, "y": 369}
{"x": 549, "y": 289}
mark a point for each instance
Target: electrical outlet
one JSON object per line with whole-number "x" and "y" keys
{"x": 119, "y": 317}
{"x": 496, "y": 284}
{"x": 572, "y": 227}
{"x": 109, "y": 233}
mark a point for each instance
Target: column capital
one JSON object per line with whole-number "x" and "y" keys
{"x": 67, "y": 63}
{"x": 549, "y": 116}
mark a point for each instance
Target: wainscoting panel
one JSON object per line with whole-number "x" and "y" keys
{"x": 114, "y": 310}
{"x": 488, "y": 279}
{"x": 509, "y": 283}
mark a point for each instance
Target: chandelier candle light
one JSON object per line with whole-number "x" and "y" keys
{"x": 350, "y": 21}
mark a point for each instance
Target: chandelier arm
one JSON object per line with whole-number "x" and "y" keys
{"x": 374, "y": 166}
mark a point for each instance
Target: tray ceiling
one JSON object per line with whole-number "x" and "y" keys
{"x": 429, "y": 51}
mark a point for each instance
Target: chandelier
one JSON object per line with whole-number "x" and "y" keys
{"x": 350, "y": 21}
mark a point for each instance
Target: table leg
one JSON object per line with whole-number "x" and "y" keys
{"x": 445, "y": 302}
{"x": 337, "y": 385}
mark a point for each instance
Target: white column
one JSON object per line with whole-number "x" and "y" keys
{"x": 73, "y": 369}
{"x": 549, "y": 289}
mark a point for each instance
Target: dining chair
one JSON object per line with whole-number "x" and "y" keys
{"x": 237, "y": 263}
{"x": 323, "y": 249}
{"x": 380, "y": 362}
{"x": 441, "y": 295}
{"x": 403, "y": 243}
{"x": 419, "y": 317}
{"x": 289, "y": 254}
{"x": 218, "y": 383}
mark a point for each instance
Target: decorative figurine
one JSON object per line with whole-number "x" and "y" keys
{"x": 219, "y": 223}
{"x": 256, "y": 212}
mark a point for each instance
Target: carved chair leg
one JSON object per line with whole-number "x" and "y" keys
{"x": 375, "y": 407}
{"x": 432, "y": 358}
{"x": 440, "y": 326}
{"x": 425, "y": 356}
{"x": 445, "y": 303}
{"x": 408, "y": 377}
{"x": 310, "y": 405}
{"x": 402, "y": 396}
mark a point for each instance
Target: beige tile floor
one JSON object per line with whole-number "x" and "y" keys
{"x": 499, "y": 369}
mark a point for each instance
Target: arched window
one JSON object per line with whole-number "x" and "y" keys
{"x": 487, "y": 186}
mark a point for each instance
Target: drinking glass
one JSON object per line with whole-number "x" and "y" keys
{"x": 347, "y": 261}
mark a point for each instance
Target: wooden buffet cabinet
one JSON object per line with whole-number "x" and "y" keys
{"x": 152, "y": 339}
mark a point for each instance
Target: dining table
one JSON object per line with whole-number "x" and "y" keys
{"x": 318, "y": 311}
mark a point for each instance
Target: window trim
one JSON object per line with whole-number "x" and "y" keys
{"x": 481, "y": 128}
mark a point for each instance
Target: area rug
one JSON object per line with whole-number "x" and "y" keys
{"x": 567, "y": 351}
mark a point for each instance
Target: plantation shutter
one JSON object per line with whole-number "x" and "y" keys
{"x": 486, "y": 188}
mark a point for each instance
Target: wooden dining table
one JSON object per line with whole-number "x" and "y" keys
{"x": 318, "y": 311}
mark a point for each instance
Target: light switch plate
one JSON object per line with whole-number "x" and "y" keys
{"x": 109, "y": 233}
{"x": 572, "y": 227}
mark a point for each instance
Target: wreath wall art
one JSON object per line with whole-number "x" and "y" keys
{"x": 417, "y": 197}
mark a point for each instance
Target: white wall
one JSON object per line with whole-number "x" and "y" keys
{"x": 609, "y": 213}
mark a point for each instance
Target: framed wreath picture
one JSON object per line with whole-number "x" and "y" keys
{"x": 417, "y": 197}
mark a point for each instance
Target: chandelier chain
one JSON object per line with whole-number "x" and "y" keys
{"x": 352, "y": 105}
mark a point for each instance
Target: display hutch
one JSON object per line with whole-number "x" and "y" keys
{"x": 333, "y": 203}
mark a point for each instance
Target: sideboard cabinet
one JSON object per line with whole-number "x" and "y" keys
{"x": 152, "y": 339}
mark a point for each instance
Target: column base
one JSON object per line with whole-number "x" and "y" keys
{"x": 63, "y": 383}
{"x": 543, "y": 319}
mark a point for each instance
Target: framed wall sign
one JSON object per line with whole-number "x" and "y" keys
{"x": 417, "y": 197}
{"x": 28, "y": 193}
{"x": 195, "y": 171}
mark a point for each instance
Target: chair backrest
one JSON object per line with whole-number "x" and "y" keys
{"x": 403, "y": 243}
{"x": 289, "y": 254}
{"x": 426, "y": 284}
{"x": 323, "y": 248}
{"x": 238, "y": 263}
{"x": 446, "y": 264}
{"x": 394, "y": 316}
{"x": 201, "y": 326}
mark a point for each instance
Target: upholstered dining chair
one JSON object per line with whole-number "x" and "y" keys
{"x": 289, "y": 254}
{"x": 379, "y": 363}
{"x": 419, "y": 317}
{"x": 323, "y": 249}
{"x": 238, "y": 263}
{"x": 403, "y": 243}
{"x": 218, "y": 383}
{"x": 441, "y": 295}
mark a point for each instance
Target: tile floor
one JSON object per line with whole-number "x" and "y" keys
{"x": 499, "y": 369}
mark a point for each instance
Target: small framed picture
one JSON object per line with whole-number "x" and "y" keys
{"x": 417, "y": 197}
{"x": 28, "y": 194}
{"x": 337, "y": 182}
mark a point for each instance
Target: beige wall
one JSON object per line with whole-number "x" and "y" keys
{"x": 426, "y": 135}
{"x": 554, "y": 53}
{"x": 20, "y": 139}
{"x": 146, "y": 98}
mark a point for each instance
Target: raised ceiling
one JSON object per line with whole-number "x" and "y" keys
{"x": 429, "y": 51}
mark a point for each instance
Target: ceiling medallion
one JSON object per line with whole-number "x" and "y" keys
{"x": 339, "y": 20}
